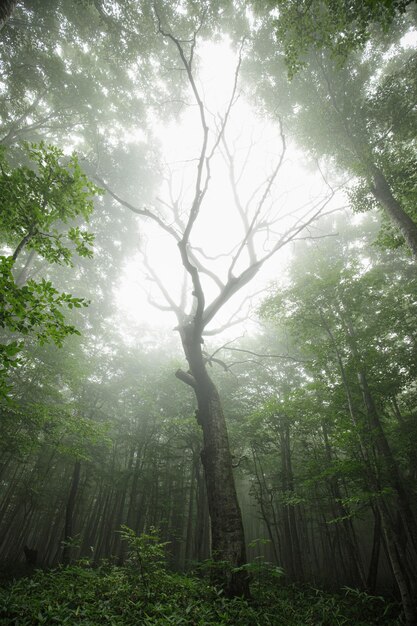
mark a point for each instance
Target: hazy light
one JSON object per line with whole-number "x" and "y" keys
{"x": 218, "y": 229}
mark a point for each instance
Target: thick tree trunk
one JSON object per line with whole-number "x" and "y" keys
{"x": 228, "y": 541}
{"x": 202, "y": 530}
{"x": 382, "y": 192}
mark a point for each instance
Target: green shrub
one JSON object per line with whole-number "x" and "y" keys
{"x": 125, "y": 596}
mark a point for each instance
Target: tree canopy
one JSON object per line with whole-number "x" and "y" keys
{"x": 250, "y": 167}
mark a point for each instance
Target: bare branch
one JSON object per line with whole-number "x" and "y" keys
{"x": 214, "y": 258}
{"x": 172, "y": 306}
{"x": 209, "y": 360}
{"x": 144, "y": 212}
{"x": 232, "y": 321}
{"x": 231, "y": 102}
{"x": 268, "y": 356}
{"x": 251, "y": 227}
{"x": 226, "y": 344}
{"x": 199, "y": 190}
{"x": 232, "y": 286}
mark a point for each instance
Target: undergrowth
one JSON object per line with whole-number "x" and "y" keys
{"x": 144, "y": 592}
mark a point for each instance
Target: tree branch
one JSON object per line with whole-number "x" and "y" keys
{"x": 269, "y": 356}
{"x": 144, "y": 212}
{"x": 186, "y": 378}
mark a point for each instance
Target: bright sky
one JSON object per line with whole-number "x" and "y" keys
{"x": 218, "y": 229}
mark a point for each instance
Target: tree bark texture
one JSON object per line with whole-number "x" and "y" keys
{"x": 227, "y": 535}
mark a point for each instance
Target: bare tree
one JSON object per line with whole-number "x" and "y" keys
{"x": 194, "y": 311}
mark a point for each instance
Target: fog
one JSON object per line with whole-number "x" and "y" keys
{"x": 208, "y": 300}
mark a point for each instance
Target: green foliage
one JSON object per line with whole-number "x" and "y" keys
{"x": 112, "y": 595}
{"x": 146, "y": 553}
{"x": 335, "y": 25}
{"x": 261, "y": 572}
{"x": 357, "y": 114}
{"x": 35, "y": 309}
{"x": 39, "y": 208}
{"x": 39, "y": 200}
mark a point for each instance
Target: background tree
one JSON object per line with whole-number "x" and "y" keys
{"x": 348, "y": 112}
{"x": 335, "y": 27}
{"x": 314, "y": 432}
{"x": 41, "y": 207}
{"x": 360, "y": 344}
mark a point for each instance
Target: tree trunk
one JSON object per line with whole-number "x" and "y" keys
{"x": 202, "y": 530}
{"x": 376, "y": 548}
{"x": 352, "y": 556}
{"x": 69, "y": 512}
{"x": 228, "y": 541}
{"x": 392, "y": 475}
{"x": 227, "y": 536}
{"x": 398, "y": 559}
{"x": 290, "y": 522}
{"x": 398, "y": 564}
{"x": 189, "y": 534}
{"x": 263, "y": 504}
{"x": 382, "y": 192}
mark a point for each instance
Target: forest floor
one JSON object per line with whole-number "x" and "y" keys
{"x": 118, "y": 596}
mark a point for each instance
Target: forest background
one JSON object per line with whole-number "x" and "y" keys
{"x": 295, "y": 157}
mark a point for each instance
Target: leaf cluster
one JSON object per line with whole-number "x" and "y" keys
{"x": 39, "y": 200}
{"x": 111, "y": 595}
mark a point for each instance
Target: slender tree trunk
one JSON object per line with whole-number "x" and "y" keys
{"x": 382, "y": 445}
{"x": 260, "y": 479}
{"x": 376, "y": 548}
{"x": 398, "y": 558}
{"x": 189, "y": 535}
{"x": 227, "y": 535}
{"x": 103, "y": 528}
{"x": 90, "y": 530}
{"x": 351, "y": 550}
{"x": 288, "y": 485}
{"x": 382, "y": 192}
{"x": 393, "y": 473}
{"x": 133, "y": 513}
{"x": 398, "y": 564}
{"x": 69, "y": 512}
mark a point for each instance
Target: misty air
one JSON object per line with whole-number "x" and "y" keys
{"x": 208, "y": 305}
